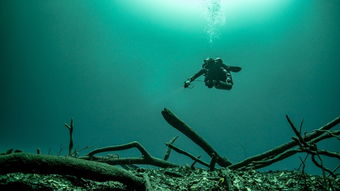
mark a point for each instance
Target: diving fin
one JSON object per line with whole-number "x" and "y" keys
{"x": 234, "y": 68}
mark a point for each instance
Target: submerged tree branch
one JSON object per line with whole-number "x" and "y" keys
{"x": 267, "y": 162}
{"x": 326, "y": 135}
{"x": 168, "y": 151}
{"x": 145, "y": 159}
{"x": 314, "y": 137}
{"x": 174, "y": 121}
{"x": 187, "y": 154}
{"x": 130, "y": 145}
{"x": 311, "y": 148}
{"x": 70, "y": 128}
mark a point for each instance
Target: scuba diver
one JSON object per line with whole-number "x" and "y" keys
{"x": 216, "y": 74}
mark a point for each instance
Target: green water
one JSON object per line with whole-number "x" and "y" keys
{"x": 114, "y": 65}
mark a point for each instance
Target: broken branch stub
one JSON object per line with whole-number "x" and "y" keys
{"x": 70, "y": 128}
{"x": 168, "y": 151}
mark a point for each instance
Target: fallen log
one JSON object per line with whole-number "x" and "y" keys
{"x": 48, "y": 164}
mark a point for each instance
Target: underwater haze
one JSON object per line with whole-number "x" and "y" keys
{"x": 113, "y": 65}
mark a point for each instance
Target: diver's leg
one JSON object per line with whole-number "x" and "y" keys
{"x": 223, "y": 85}
{"x": 229, "y": 79}
{"x": 224, "y": 81}
{"x": 209, "y": 83}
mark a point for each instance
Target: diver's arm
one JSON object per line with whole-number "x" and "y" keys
{"x": 198, "y": 74}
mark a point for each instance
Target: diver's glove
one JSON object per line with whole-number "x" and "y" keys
{"x": 186, "y": 83}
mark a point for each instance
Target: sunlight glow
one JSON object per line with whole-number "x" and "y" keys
{"x": 204, "y": 15}
{"x": 191, "y": 10}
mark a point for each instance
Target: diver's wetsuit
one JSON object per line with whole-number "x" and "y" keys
{"x": 216, "y": 74}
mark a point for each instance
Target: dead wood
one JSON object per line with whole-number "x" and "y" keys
{"x": 168, "y": 151}
{"x": 148, "y": 185}
{"x": 48, "y": 164}
{"x": 329, "y": 153}
{"x": 70, "y": 128}
{"x": 192, "y": 166}
{"x": 271, "y": 155}
{"x": 174, "y": 121}
{"x": 196, "y": 159}
{"x": 311, "y": 148}
{"x": 328, "y": 134}
{"x": 212, "y": 163}
{"x": 145, "y": 159}
{"x": 299, "y": 140}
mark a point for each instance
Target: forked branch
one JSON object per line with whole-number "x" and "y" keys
{"x": 145, "y": 159}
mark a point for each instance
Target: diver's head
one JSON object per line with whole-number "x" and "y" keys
{"x": 218, "y": 60}
{"x": 208, "y": 60}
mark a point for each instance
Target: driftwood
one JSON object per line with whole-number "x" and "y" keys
{"x": 48, "y": 164}
{"x": 145, "y": 159}
{"x": 174, "y": 121}
{"x": 283, "y": 151}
